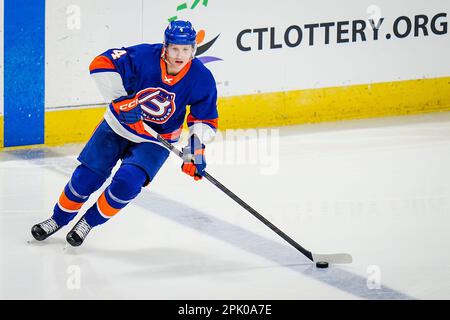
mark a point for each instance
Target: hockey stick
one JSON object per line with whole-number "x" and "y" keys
{"x": 330, "y": 258}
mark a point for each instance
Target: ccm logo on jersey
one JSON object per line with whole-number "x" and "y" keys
{"x": 157, "y": 104}
{"x": 129, "y": 106}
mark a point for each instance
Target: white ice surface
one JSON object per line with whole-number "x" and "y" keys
{"x": 377, "y": 189}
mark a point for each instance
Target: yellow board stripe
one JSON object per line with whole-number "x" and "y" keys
{"x": 71, "y": 125}
{"x": 284, "y": 108}
{"x": 336, "y": 103}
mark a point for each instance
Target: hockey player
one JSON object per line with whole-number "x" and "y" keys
{"x": 149, "y": 83}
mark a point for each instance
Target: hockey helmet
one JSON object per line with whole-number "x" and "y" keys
{"x": 180, "y": 32}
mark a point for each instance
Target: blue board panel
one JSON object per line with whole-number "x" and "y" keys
{"x": 24, "y": 72}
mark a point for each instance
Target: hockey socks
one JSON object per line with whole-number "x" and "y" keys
{"x": 125, "y": 186}
{"x": 82, "y": 184}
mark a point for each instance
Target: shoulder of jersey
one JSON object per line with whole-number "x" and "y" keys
{"x": 200, "y": 68}
{"x": 146, "y": 49}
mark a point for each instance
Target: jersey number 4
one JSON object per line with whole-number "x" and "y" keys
{"x": 117, "y": 54}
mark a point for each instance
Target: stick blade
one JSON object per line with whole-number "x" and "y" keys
{"x": 335, "y": 258}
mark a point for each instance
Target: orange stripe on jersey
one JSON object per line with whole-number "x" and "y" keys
{"x": 174, "y": 135}
{"x": 139, "y": 128}
{"x": 101, "y": 62}
{"x": 213, "y": 122}
{"x": 199, "y": 151}
{"x": 105, "y": 207}
{"x": 68, "y": 204}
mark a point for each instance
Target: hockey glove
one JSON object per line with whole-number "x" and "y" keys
{"x": 128, "y": 109}
{"x": 194, "y": 162}
{"x": 130, "y": 112}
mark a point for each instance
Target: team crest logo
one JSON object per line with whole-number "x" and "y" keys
{"x": 157, "y": 104}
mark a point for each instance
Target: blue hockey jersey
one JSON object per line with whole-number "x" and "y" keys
{"x": 164, "y": 97}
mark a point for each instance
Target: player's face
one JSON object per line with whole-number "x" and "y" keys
{"x": 178, "y": 56}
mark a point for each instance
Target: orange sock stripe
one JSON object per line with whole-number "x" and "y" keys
{"x": 68, "y": 204}
{"x": 105, "y": 207}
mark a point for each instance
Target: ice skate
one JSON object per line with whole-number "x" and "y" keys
{"x": 76, "y": 236}
{"x": 43, "y": 230}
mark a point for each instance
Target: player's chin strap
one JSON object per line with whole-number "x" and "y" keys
{"x": 163, "y": 54}
{"x": 331, "y": 258}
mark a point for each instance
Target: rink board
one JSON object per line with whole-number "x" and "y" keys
{"x": 291, "y": 76}
{"x": 284, "y": 108}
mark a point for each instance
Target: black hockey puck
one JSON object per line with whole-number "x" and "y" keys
{"x": 322, "y": 264}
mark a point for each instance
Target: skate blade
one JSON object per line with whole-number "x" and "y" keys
{"x": 65, "y": 248}
{"x": 34, "y": 242}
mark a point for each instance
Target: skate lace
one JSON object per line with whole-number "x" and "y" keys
{"x": 49, "y": 225}
{"x": 83, "y": 228}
